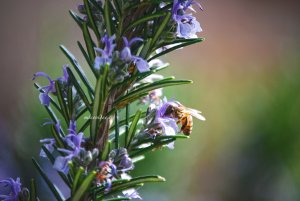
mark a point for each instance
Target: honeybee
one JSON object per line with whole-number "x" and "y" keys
{"x": 183, "y": 115}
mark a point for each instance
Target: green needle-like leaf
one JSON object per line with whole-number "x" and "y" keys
{"x": 134, "y": 95}
{"x": 33, "y": 194}
{"x": 91, "y": 18}
{"x": 57, "y": 137}
{"x": 117, "y": 130}
{"x": 144, "y": 19}
{"x": 150, "y": 148}
{"x": 107, "y": 17}
{"x": 106, "y": 151}
{"x": 79, "y": 89}
{"x": 72, "y": 113}
{"x": 58, "y": 195}
{"x": 120, "y": 198}
{"x": 160, "y": 139}
{"x": 77, "y": 18}
{"x": 161, "y": 29}
{"x": 180, "y": 45}
{"x": 78, "y": 174}
{"x": 85, "y": 125}
{"x": 100, "y": 96}
{"x": 78, "y": 69}
{"x": 87, "y": 58}
{"x": 133, "y": 128}
{"x": 62, "y": 102}
{"x": 51, "y": 114}
{"x": 133, "y": 182}
{"x": 123, "y": 102}
{"x": 84, "y": 186}
{"x": 88, "y": 42}
{"x": 96, "y": 5}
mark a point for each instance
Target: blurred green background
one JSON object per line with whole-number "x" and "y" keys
{"x": 246, "y": 82}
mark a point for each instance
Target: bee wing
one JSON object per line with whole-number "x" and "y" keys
{"x": 197, "y": 114}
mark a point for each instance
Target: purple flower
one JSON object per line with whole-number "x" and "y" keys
{"x": 141, "y": 64}
{"x": 106, "y": 53}
{"x": 49, "y": 142}
{"x": 49, "y": 145}
{"x": 74, "y": 141}
{"x": 164, "y": 125}
{"x": 122, "y": 160}
{"x": 44, "y": 97}
{"x": 126, "y": 52}
{"x": 107, "y": 172}
{"x": 65, "y": 77}
{"x": 187, "y": 25}
{"x": 10, "y": 189}
{"x": 126, "y": 55}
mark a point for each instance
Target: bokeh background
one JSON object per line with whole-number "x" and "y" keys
{"x": 246, "y": 81}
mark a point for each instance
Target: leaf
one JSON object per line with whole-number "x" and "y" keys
{"x": 79, "y": 172}
{"x": 144, "y": 19}
{"x": 84, "y": 186}
{"x": 133, "y": 182}
{"x": 78, "y": 69}
{"x": 118, "y": 7}
{"x": 183, "y": 44}
{"x": 150, "y": 148}
{"x": 88, "y": 60}
{"x": 90, "y": 46}
{"x": 160, "y": 139}
{"x": 127, "y": 118}
{"x": 138, "y": 159}
{"x": 62, "y": 101}
{"x": 132, "y": 128}
{"x": 107, "y": 18}
{"x": 58, "y": 195}
{"x": 131, "y": 99}
{"x": 51, "y": 114}
{"x": 58, "y": 138}
{"x": 119, "y": 198}
{"x": 70, "y": 102}
{"x": 79, "y": 89}
{"x": 106, "y": 151}
{"x": 96, "y": 5}
{"x": 139, "y": 76}
{"x": 146, "y": 49}
{"x": 91, "y": 18}
{"x": 134, "y": 95}
{"x": 81, "y": 112}
{"x": 161, "y": 29}
{"x": 116, "y": 130}
{"x": 33, "y": 194}
{"x": 77, "y": 18}
{"x": 141, "y": 85}
{"x": 100, "y": 96}
{"x": 85, "y": 125}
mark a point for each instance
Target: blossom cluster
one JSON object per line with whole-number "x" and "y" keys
{"x": 95, "y": 156}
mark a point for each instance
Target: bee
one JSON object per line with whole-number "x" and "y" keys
{"x": 183, "y": 115}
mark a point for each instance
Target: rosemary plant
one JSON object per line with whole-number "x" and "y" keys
{"x": 98, "y": 134}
